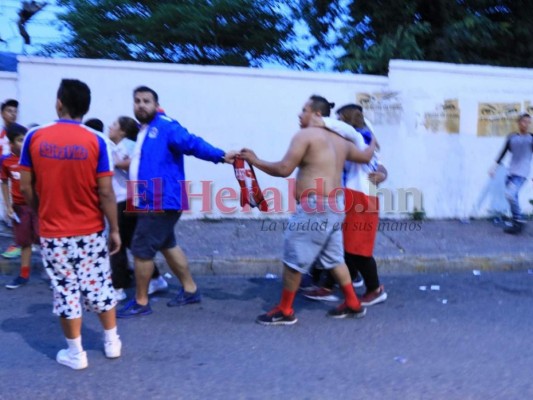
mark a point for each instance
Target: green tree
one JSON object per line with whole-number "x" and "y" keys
{"x": 491, "y": 32}
{"x": 208, "y": 32}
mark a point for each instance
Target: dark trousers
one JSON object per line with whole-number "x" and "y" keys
{"x": 120, "y": 272}
{"x": 366, "y": 266}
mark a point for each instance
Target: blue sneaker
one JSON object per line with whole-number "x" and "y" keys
{"x": 183, "y": 298}
{"x": 132, "y": 309}
{"x": 17, "y": 282}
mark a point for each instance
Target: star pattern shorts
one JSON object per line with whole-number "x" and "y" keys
{"x": 79, "y": 269}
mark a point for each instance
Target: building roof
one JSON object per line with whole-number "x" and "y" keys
{"x": 8, "y": 61}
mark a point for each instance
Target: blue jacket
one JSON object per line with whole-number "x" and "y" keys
{"x": 161, "y": 163}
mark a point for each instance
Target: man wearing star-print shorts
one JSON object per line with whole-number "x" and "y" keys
{"x": 66, "y": 173}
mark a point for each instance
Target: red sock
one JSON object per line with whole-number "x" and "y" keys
{"x": 350, "y": 297}
{"x": 25, "y": 272}
{"x": 285, "y": 304}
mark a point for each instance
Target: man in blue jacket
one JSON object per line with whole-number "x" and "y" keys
{"x": 159, "y": 197}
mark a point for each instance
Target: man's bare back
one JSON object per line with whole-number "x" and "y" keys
{"x": 320, "y": 170}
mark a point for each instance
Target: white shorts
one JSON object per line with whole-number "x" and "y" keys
{"x": 78, "y": 267}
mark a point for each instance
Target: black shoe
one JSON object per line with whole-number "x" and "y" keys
{"x": 515, "y": 228}
{"x": 276, "y": 317}
{"x": 343, "y": 311}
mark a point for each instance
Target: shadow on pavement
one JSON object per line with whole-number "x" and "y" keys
{"x": 40, "y": 329}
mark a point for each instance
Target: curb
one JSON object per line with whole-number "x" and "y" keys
{"x": 259, "y": 267}
{"x": 392, "y": 264}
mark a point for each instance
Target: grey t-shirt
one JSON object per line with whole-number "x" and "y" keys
{"x": 521, "y": 147}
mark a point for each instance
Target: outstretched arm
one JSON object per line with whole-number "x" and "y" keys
{"x": 341, "y": 128}
{"x": 492, "y": 170}
{"x": 288, "y": 163}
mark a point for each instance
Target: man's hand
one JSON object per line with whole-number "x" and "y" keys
{"x": 248, "y": 155}
{"x": 492, "y": 170}
{"x": 114, "y": 242}
{"x": 229, "y": 157}
{"x": 376, "y": 177}
{"x": 9, "y": 211}
{"x": 316, "y": 121}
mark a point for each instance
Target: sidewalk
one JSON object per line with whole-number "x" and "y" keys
{"x": 254, "y": 246}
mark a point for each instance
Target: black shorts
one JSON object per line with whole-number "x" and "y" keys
{"x": 154, "y": 232}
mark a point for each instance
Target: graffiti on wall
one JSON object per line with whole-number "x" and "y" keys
{"x": 382, "y": 108}
{"x": 497, "y": 119}
{"x": 445, "y": 118}
{"x": 528, "y": 107}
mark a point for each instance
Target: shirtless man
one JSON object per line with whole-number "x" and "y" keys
{"x": 314, "y": 230}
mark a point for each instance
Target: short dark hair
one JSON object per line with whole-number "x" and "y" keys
{"x": 522, "y": 116}
{"x": 95, "y": 123}
{"x": 349, "y": 107}
{"x": 320, "y": 104}
{"x": 14, "y": 130}
{"x": 75, "y": 96}
{"x": 9, "y": 103}
{"x": 348, "y": 113}
{"x": 146, "y": 89}
{"x": 130, "y": 126}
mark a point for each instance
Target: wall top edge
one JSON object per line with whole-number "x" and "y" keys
{"x": 8, "y": 75}
{"x": 210, "y": 70}
{"x": 486, "y": 70}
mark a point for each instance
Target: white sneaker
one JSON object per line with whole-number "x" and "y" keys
{"x": 74, "y": 361}
{"x": 113, "y": 348}
{"x": 157, "y": 285}
{"x": 358, "y": 282}
{"x": 120, "y": 295}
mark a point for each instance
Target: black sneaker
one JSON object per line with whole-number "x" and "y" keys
{"x": 515, "y": 228}
{"x": 343, "y": 311}
{"x": 276, "y": 317}
{"x": 183, "y": 298}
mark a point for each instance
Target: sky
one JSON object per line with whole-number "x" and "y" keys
{"x": 43, "y": 28}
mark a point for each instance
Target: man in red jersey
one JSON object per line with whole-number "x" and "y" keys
{"x": 66, "y": 175}
{"x": 25, "y": 223}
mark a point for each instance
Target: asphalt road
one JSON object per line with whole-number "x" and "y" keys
{"x": 470, "y": 339}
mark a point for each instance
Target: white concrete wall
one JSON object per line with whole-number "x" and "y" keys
{"x": 230, "y": 107}
{"x": 451, "y": 170}
{"x": 236, "y": 107}
{"x": 8, "y": 85}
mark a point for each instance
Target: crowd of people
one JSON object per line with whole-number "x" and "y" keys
{"x": 121, "y": 193}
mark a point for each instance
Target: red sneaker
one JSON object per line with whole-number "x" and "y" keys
{"x": 322, "y": 294}
{"x": 377, "y": 296}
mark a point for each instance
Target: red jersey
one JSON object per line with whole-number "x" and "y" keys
{"x": 10, "y": 171}
{"x": 67, "y": 159}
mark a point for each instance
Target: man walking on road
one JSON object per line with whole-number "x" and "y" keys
{"x": 520, "y": 144}
{"x": 157, "y": 173}
{"x": 319, "y": 156}
{"x": 66, "y": 175}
